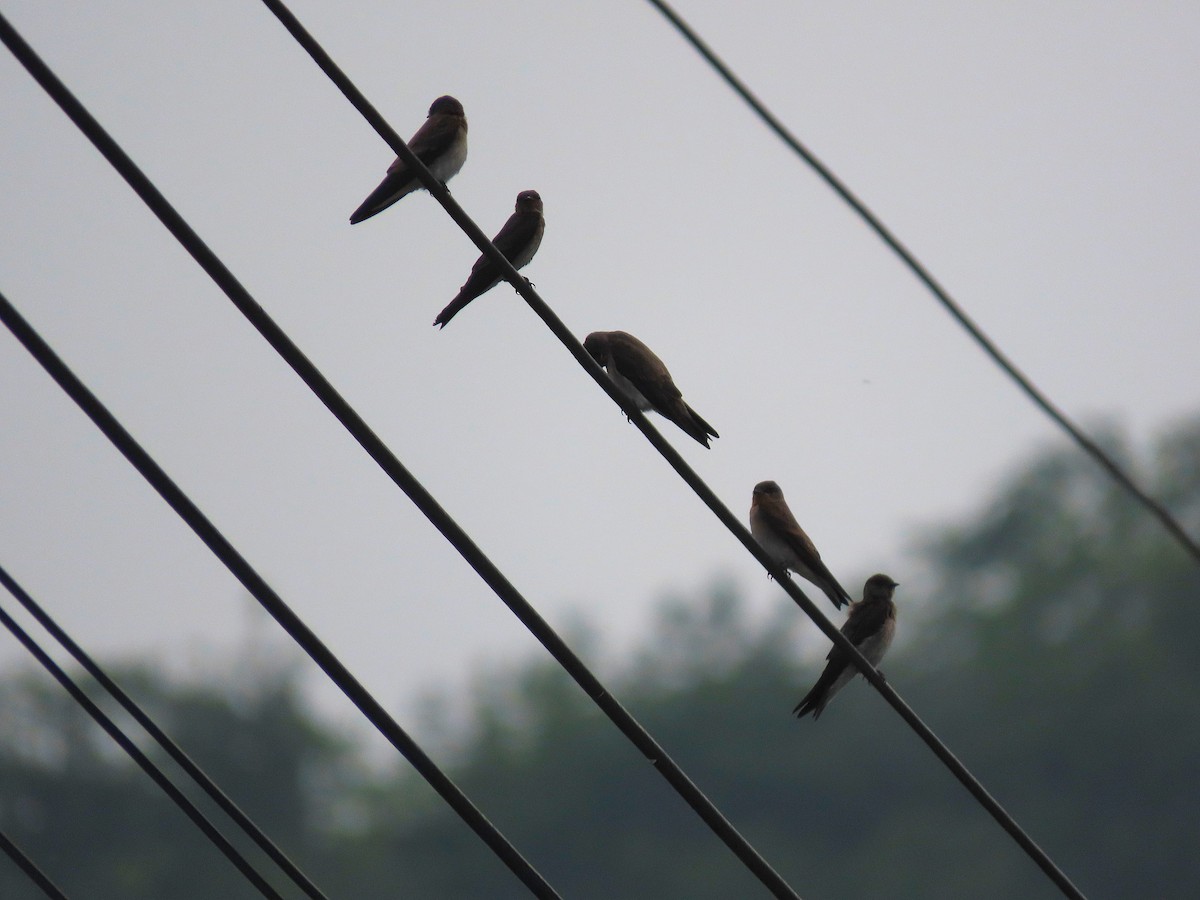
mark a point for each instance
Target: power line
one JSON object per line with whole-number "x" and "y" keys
{"x": 173, "y": 750}
{"x": 390, "y": 464}
{"x": 710, "y": 499}
{"x": 29, "y": 867}
{"x": 270, "y": 601}
{"x": 156, "y": 774}
{"x": 1077, "y": 434}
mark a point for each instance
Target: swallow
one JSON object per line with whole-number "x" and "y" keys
{"x": 870, "y": 627}
{"x": 776, "y": 529}
{"x": 440, "y": 143}
{"x": 645, "y": 380}
{"x": 518, "y": 240}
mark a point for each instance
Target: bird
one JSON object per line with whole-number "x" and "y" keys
{"x": 518, "y": 240}
{"x": 641, "y": 375}
{"x": 440, "y": 143}
{"x": 870, "y": 627}
{"x": 776, "y": 529}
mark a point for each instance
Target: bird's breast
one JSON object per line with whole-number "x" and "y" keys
{"x": 777, "y": 548}
{"x": 876, "y": 645}
{"x": 629, "y": 389}
{"x": 448, "y": 164}
{"x": 523, "y": 255}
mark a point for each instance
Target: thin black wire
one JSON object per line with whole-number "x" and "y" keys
{"x": 29, "y": 867}
{"x": 925, "y": 276}
{"x": 197, "y": 817}
{"x": 173, "y": 750}
{"x": 270, "y": 601}
{"x": 390, "y": 464}
{"x": 710, "y": 499}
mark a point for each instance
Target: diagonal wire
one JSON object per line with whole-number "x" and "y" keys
{"x": 1060, "y": 418}
{"x": 710, "y": 499}
{"x": 29, "y": 867}
{"x": 271, "y": 601}
{"x": 386, "y": 459}
{"x": 156, "y": 774}
{"x": 173, "y": 750}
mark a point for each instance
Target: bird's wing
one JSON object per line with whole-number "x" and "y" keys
{"x": 865, "y": 619}
{"x": 639, "y": 364}
{"x": 645, "y": 371}
{"x": 780, "y": 519}
{"x": 517, "y": 232}
{"x": 432, "y": 139}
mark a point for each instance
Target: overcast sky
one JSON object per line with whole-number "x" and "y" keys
{"x": 1039, "y": 158}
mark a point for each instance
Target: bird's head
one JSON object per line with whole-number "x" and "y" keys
{"x": 596, "y": 344}
{"x": 767, "y": 489}
{"x": 447, "y": 106}
{"x": 529, "y": 201}
{"x": 879, "y": 587}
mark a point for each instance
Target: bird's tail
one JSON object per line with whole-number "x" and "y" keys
{"x": 838, "y": 595}
{"x": 810, "y": 704}
{"x": 700, "y": 429}
{"x": 455, "y": 307}
{"x": 832, "y": 679}
{"x": 391, "y": 189}
{"x": 829, "y": 585}
{"x": 363, "y": 213}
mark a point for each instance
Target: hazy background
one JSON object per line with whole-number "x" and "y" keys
{"x": 1052, "y": 620}
{"x": 1040, "y": 159}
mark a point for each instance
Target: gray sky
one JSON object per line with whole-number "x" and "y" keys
{"x": 1039, "y": 158}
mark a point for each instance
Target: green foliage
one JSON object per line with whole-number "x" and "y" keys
{"x": 89, "y": 817}
{"x": 1050, "y": 641}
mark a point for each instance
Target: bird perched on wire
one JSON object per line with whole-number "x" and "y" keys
{"x": 776, "y": 529}
{"x": 440, "y": 143}
{"x": 641, "y": 375}
{"x": 870, "y": 627}
{"x": 518, "y": 240}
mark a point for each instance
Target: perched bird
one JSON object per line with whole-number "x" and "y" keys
{"x": 870, "y": 627}
{"x": 645, "y": 380}
{"x": 440, "y": 143}
{"x": 776, "y": 529}
{"x": 518, "y": 240}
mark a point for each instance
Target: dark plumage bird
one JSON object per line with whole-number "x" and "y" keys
{"x": 645, "y": 380}
{"x": 440, "y": 143}
{"x": 518, "y": 240}
{"x": 776, "y": 529}
{"x": 870, "y": 627}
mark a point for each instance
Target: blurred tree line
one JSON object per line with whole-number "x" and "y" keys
{"x": 1051, "y": 640}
